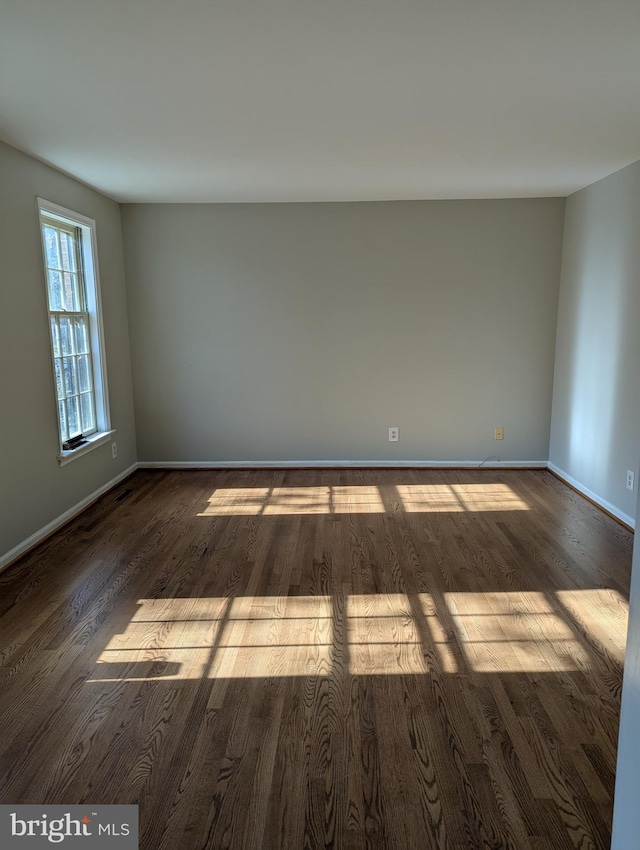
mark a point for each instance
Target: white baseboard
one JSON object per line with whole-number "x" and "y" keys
{"x": 577, "y": 485}
{"x": 322, "y": 464}
{"x": 56, "y": 523}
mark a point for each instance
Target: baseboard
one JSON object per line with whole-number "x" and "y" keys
{"x": 55, "y": 524}
{"x": 340, "y": 464}
{"x": 607, "y": 507}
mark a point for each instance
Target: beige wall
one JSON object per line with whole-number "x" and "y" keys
{"x": 595, "y": 433}
{"x": 34, "y": 489}
{"x": 301, "y": 332}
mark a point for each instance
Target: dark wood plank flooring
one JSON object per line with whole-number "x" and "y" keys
{"x": 323, "y": 658}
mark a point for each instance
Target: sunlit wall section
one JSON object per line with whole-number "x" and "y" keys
{"x": 595, "y": 431}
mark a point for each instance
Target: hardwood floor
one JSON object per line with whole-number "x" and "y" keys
{"x": 323, "y": 658}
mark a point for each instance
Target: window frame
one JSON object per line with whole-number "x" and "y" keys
{"x": 89, "y": 280}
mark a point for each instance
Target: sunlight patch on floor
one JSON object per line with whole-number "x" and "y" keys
{"x": 266, "y": 501}
{"x": 264, "y": 636}
{"x": 357, "y": 499}
{"x": 364, "y": 634}
{"x": 530, "y": 632}
{"x": 456, "y": 498}
{"x": 604, "y": 613}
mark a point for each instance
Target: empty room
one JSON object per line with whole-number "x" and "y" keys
{"x": 320, "y": 398}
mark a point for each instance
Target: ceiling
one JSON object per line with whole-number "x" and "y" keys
{"x": 308, "y": 100}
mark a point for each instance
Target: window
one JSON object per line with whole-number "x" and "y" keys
{"x": 73, "y": 297}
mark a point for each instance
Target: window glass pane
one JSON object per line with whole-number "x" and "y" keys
{"x": 81, "y": 335}
{"x": 55, "y": 291}
{"x": 86, "y": 409}
{"x": 73, "y": 417}
{"x": 51, "y": 247}
{"x": 71, "y": 292}
{"x": 67, "y": 251}
{"x": 65, "y": 335}
{"x": 70, "y": 376}
{"x": 84, "y": 373}
{"x": 55, "y": 337}
{"x": 59, "y": 379}
{"x": 62, "y": 417}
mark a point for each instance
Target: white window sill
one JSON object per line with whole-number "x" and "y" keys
{"x": 92, "y": 443}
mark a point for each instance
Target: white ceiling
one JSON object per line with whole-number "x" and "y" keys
{"x": 286, "y": 100}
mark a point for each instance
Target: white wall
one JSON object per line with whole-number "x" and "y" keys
{"x": 595, "y": 431}
{"x": 303, "y": 331}
{"x": 34, "y": 489}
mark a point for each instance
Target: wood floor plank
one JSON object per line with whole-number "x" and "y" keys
{"x": 354, "y": 658}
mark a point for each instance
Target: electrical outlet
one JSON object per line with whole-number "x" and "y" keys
{"x": 499, "y": 433}
{"x": 630, "y": 479}
{"x": 114, "y": 450}
{"x": 394, "y": 435}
